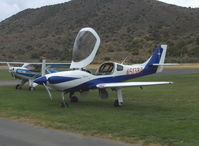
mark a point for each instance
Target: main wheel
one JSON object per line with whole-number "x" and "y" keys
{"x": 18, "y": 86}
{"x": 74, "y": 99}
{"x": 64, "y": 104}
{"x": 116, "y": 104}
{"x": 31, "y": 88}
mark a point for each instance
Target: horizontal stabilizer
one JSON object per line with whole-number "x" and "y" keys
{"x": 130, "y": 84}
{"x": 166, "y": 64}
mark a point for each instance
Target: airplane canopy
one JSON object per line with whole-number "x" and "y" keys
{"x": 85, "y": 48}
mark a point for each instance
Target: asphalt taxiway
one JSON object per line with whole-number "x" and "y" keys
{"x": 11, "y": 82}
{"x": 13, "y": 133}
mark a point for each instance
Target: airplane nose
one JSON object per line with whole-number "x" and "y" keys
{"x": 11, "y": 69}
{"x": 41, "y": 80}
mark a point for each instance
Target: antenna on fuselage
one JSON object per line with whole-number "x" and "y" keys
{"x": 124, "y": 60}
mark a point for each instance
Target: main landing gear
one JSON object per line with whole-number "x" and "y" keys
{"x": 19, "y": 86}
{"x": 73, "y": 98}
{"x": 63, "y": 103}
{"x": 119, "y": 101}
{"x": 31, "y": 85}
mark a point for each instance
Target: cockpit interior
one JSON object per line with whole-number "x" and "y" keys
{"x": 106, "y": 69}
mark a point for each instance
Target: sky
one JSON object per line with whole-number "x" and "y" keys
{"x": 183, "y": 3}
{"x": 11, "y": 7}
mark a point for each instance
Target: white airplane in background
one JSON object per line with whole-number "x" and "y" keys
{"x": 109, "y": 74}
{"x": 30, "y": 71}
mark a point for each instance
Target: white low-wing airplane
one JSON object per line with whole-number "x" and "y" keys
{"x": 30, "y": 71}
{"x": 109, "y": 74}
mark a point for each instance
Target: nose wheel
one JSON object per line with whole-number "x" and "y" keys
{"x": 31, "y": 88}
{"x": 18, "y": 86}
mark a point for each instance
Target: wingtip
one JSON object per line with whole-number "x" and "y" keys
{"x": 100, "y": 86}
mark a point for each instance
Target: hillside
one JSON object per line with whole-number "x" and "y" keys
{"x": 127, "y": 28}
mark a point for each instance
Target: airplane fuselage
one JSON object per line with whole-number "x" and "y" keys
{"x": 109, "y": 75}
{"x": 24, "y": 73}
{"x": 80, "y": 80}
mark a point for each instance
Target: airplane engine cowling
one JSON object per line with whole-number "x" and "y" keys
{"x": 103, "y": 93}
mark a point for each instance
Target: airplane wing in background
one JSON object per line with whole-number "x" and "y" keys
{"x": 12, "y": 63}
{"x": 51, "y": 65}
{"x": 130, "y": 84}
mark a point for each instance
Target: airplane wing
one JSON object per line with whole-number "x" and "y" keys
{"x": 35, "y": 63}
{"x": 12, "y": 63}
{"x": 52, "y": 65}
{"x": 130, "y": 84}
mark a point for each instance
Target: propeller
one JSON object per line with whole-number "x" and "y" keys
{"x": 9, "y": 67}
{"x": 49, "y": 93}
{"x": 43, "y": 79}
{"x": 10, "y": 70}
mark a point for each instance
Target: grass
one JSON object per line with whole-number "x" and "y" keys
{"x": 5, "y": 75}
{"x": 163, "y": 114}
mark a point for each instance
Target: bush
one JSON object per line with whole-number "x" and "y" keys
{"x": 107, "y": 58}
{"x": 197, "y": 40}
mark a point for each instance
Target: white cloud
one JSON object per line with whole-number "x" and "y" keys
{"x": 183, "y": 3}
{"x": 11, "y": 7}
{"x": 7, "y": 10}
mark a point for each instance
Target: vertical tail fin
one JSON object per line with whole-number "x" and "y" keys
{"x": 162, "y": 59}
{"x": 157, "y": 58}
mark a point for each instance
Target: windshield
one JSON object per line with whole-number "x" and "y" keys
{"x": 33, "y": 67}
{"x": 84, "y": 45}
{"x": 106, "y": 69}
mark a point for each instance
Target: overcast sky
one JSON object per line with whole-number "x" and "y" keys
{"x": 11, "y": 7}
{"x": 184, "y": 3}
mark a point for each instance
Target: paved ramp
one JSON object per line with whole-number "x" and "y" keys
{"x": 11, "y": 82}
{"x": 19, "y": 134}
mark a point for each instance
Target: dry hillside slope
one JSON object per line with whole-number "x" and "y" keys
{"x": 127, "y": 28}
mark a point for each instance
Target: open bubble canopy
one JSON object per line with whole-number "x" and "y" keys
{"x": 85, "y": 48}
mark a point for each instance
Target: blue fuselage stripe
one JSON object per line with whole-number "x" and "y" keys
{"x": 28, "y": 73}
{"x": 60, "y": 79}
{"x": 113, "y": 79}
